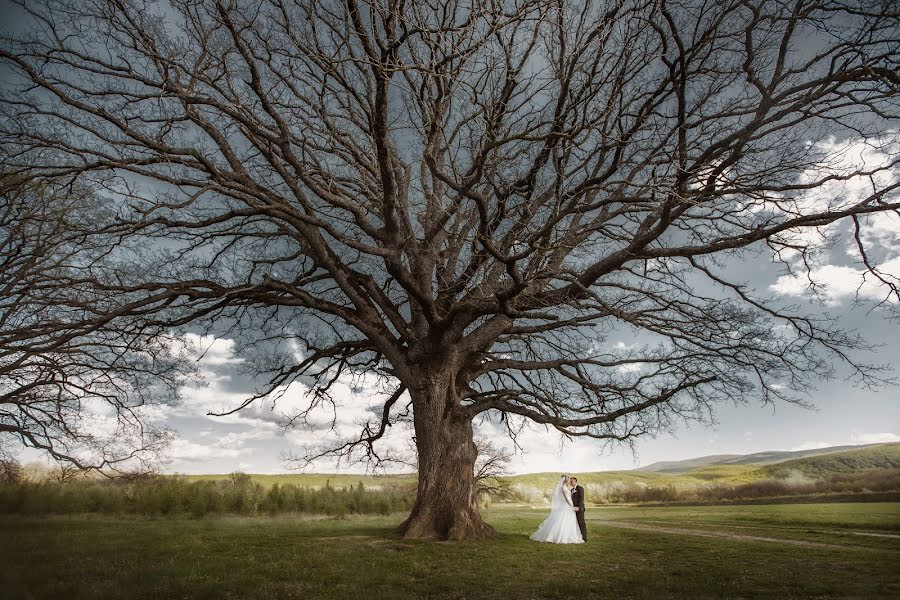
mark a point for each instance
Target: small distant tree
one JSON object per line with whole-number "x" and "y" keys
{"x": 491, "y": 467}
{"x": 239, "y": 479}
{"x": 11, "y": 470}
{"x": 65, "y": 472}
{"x": 144, "y": 475}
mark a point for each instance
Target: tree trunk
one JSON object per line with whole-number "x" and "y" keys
{"x": 445, "y": 507}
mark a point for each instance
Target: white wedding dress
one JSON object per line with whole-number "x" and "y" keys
{"x": 561, "y": 527}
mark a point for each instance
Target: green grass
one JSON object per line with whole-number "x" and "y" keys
{"x": 881, "y": 516}
{"x": 548, "y": 480}
{"x": 726, "y": 474}
{"x": 721, "y": 474}
{"x": 294, "y": 557}
{"x": 827, "y": 523}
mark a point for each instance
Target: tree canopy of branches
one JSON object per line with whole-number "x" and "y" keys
{"x": 73, "y": 382}
{"x": 468, "y": 196}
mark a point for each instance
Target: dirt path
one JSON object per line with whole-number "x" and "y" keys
{"x": 728, "y": 535}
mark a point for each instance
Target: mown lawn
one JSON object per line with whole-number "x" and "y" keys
{"x": 297, "y": 557}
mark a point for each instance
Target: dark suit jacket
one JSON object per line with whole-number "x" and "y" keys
{"x": 578, "y": 498}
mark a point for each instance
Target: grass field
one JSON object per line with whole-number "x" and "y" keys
{"x": 783, "y": 551}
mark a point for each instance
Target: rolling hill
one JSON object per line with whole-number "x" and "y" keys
{"x": 886, "y": 456}
{"x": 739, "y": 469}
{"x": 680, "y": 466}
{"x": 757, "y": 458}
{"x": 724, "y": 469}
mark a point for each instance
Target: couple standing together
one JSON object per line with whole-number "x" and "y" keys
{"x": 565, "y": 525}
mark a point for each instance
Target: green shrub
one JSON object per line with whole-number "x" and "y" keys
{"x": 238, "y": 494}
{"x": 788, "y": 483}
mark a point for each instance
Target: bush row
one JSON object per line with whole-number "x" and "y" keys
{"x": 618, "y": 492}
{"x": 174, "y": 495}
{"x": 239, "y": 494}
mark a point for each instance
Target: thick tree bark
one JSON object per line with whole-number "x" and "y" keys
{"x": 445, "y": 506}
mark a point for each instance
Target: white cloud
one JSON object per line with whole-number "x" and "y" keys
{"x": 252, "y": 437}
{"x": 239, "y": 439}
{"x": 855, "y": 439}
{"x": 842, "y": 159}
{"x": 212, "y": 351}
{"x": 812, "y": 446}
{"x": 879, "y": 233}
{"x": 875, "y": 438}
{"x": 219, "y": 451}
{"x": 355, "y": 401}
{"x": 544, "y": 449}
{"x": 841, "y": 282}
{"x": 184, "y": 450}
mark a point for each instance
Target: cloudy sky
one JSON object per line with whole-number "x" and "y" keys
{"x": 255, "y": 441}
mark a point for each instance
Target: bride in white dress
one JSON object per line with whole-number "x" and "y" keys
{"x": 561, "y": 527}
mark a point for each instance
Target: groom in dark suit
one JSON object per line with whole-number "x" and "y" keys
{"x": 578, "y": 502}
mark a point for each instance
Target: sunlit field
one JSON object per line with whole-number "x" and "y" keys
{"x": 783, "y": 551}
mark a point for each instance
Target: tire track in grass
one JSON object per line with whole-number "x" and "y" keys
{"x": 870, "y": 534}
{"x": 878, "y": 534}
{"x": 730, "y": 536}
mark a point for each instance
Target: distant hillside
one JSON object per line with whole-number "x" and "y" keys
{"x": 757, "y": 458}
{"x": 680, "y": 466}
{"x": 885, "y": 456}
{"x": 727, "y": 469}
{"x": 765, "y": 458}
{"x": 546, "y": 481}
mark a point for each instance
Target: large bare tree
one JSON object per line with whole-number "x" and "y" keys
{"x": 467, "y": 197}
